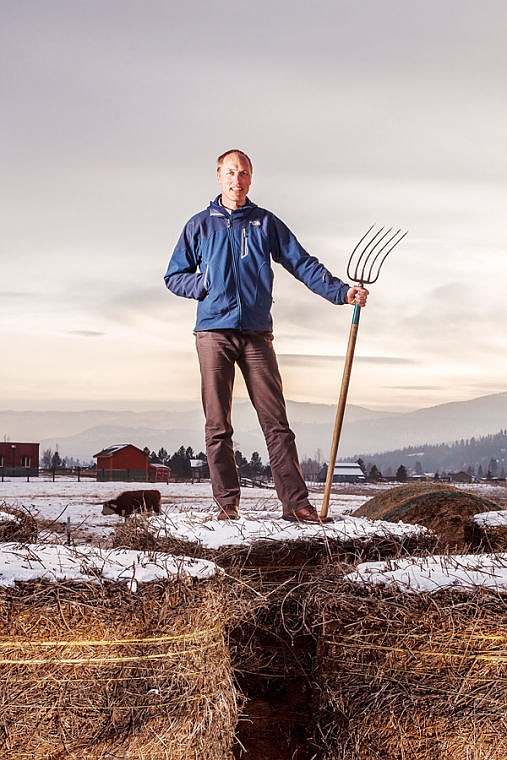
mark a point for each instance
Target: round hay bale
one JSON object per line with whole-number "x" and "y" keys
{"x": 410, "y": 674}
{"x": 17, "y": 525}
{"x": 442, "y": 508}
{"x": 89, "y": 669}
{"x": 487, "y": 531}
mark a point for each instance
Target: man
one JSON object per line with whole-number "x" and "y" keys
{"x": 223, "y": 260}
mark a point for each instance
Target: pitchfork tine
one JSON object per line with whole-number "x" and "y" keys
{"x": 355, "y": 276}
{"x": 365, "y": 272}
{"x": 386, "y": 254}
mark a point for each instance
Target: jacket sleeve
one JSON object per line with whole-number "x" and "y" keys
{"x": 182, "y": 277}
{"x": 287, "y": 251}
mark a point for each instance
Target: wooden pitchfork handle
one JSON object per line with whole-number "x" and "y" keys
{"x": 340, "y": 411}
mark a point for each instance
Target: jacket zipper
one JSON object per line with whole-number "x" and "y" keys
{"x": 230, "y": 232}
{"x": 244, "y": 242}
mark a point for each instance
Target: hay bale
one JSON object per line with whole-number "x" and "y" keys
{"x": 405, "y": 671}
{"x": 128, "y": 662}
{"x": 441, "y": 508}
{"x": 272, "y": 652}
{"x": 487, "y": 531}
{"x": 275, "y": 561}
{"x": 16, "y": 525}
{"x": 263, "y": 541}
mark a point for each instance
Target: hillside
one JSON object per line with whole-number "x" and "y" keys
{"x": 81, "y": 434}
{"x": 485, "y": 452}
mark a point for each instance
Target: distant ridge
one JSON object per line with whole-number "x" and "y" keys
{"x": 81, "y": 434}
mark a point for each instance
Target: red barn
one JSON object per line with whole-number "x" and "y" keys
{"x": 123, "y": 461}
{"x": 159, "y": 472}
{"x": 19, "y": 459}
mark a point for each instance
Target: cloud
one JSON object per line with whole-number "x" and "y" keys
{"x": 358, "y": 113}
{"x": 15, "y": 296}
{"x": 86, "y": 333}
{"x": 415, "y": 387}
{"x": 291, "y": 360}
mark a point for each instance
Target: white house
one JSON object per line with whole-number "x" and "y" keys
{"x": 344, "y": 472}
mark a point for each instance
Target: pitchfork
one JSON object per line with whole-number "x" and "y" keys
{"x": 364, "y": 268}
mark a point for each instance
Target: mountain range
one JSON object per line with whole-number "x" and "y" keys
{"x": 81, "y": 434}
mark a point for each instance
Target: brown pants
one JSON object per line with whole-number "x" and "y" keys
{"x": 253, "y": 352}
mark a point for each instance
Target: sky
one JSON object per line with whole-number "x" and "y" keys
{"x": 353, "y": 113}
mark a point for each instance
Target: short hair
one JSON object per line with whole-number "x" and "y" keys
{"x": 242, "y": 153}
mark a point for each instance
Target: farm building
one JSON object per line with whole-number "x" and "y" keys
{"x": 199, "y": 468}
{"x": 158, "y": 473}
{"x": 344, "y": 472}
{"x": 19, "y": 459}
{"x": 122, "y": 461}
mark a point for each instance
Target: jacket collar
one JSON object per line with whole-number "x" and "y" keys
{"x": 215, "y": 208}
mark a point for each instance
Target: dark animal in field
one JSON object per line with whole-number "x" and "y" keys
{"x": 129, "y": 502}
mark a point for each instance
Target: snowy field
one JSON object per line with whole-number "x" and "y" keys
{"x": 67, "y": 509}
{"x": 52, "y": 504}
{"x": 56, "y": 504}
{"x": 189, "y": 513}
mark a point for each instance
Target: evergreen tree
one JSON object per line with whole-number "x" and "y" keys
{"x": 401, "y": 474}
{"x": 179, "y": 464}
{"x": 162, "y": 455}
{"x": 241, "y": 462}
{"x": 255, "y": 464}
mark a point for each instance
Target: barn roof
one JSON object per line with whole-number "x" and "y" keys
{"x": 343, "y": 467}
{"x": 110, "y": 450}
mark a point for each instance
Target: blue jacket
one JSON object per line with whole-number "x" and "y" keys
{"x": 223, "y": 260}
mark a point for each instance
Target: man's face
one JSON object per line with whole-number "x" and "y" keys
{"x": 235, "y": 178}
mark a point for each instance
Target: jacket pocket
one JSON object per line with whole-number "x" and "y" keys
{"x": 218, "y": 300}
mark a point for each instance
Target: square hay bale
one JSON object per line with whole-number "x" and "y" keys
{"x": 118, "y": 655}
{"x": 412, "y": 660}
{"x": 17, "y": 525}
{"x": 487, "y": 531}
{"x": 262, "y": 540}
{"x": 275, "y": 561}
